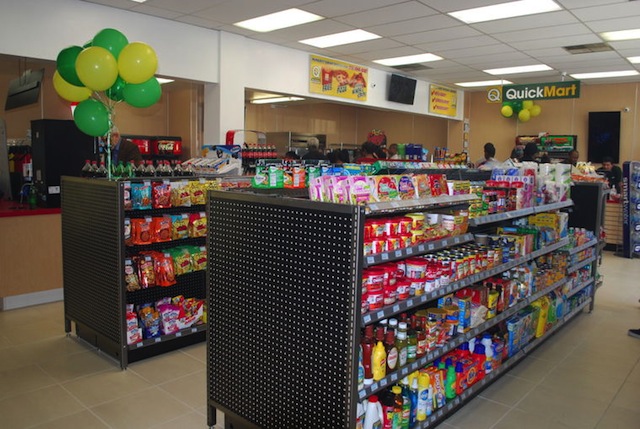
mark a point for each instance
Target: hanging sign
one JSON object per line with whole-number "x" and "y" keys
{"x": 443, "y": 100}
{"x": 541, "y": 91}
{"x": 337, "y": 78}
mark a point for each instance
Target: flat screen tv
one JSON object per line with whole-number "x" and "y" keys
{"x": 604, "y": 136}
{"x": 24, "y": 90}
{"x": 401, "y": 89}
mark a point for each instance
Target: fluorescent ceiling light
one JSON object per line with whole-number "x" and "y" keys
{"x": 611, "y": 36}
{"x": 519, "y": 69}
{"x": 634, "y": 60}
{"x": 278, "y": 20}
{"x": 162, "y": 80}
{"x": 409, "y": 59}
{"x": 338, "y": 39}
{"x": 139, "y": 1}
{"x": 599, "y": 75}
{"x": 484, "y": 83}
{"x": 505, "y": 10}
{"x": 275, "y": 100}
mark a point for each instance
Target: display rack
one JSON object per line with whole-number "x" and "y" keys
{"x": 286, "y": 276}
{"x": 94, "y": 251}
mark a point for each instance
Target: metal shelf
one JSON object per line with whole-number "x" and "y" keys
{"x": 579, "y": 288}
{"x": 189, "y": 241}
{"x": 498, "y": 217}
{"x": 417, "y": 250}
{"x": 584, "y": 246}
{"x": 408, "y": 304}
{"x": 164, "y": 338}
{"x": 584, "y": 262}
{"x": 425, "y": 203}
{"x": 554, "y": 206}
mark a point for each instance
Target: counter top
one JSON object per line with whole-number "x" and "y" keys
{"x": 14, "y": 208}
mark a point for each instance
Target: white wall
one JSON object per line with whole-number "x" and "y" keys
{"x": 42, "y": 28}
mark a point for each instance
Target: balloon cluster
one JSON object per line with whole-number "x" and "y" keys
{"x": 524, "y": 110}
{"x": 103, "y": 72}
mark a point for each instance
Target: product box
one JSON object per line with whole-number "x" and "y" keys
{"x": 464, "y": 318}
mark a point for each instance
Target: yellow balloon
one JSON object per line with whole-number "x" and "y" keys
{"x": 507, "y": 111}
{"x": 524, "y": 115}
{"x": 535, "y": 110}
{"x": 526, "y": 104}
{"x": 69, "y": 92}
{"x": 97, "y": 68}
{"x": 137, "y": 62}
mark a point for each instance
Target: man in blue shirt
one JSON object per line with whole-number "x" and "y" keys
{"x": 123, "y": 150}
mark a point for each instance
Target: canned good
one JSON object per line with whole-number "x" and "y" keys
{"x": 417, "y": 220}
{"x": 417, "y": 236}
{"x": 406, "y": 240}
{"x": 417, "y": 287}
{"x": 391, "y": 226}
{"x": 378, "y": 245}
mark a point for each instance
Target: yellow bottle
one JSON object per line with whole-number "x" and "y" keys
{"x": 379, "y": 357}
{"x": 424, "y": 406}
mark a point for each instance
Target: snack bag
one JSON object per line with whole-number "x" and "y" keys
{"x": 179, "y": 226}
{"x": 128, "y": 238}
{"x": 141, "y": 196}
{"x": 128, "y": 204}
{"x": 150, "y": 320}
{"x": 339, "y": 192}
{"x": 141, "y": 231}
{"x": 193, "y": 313}
{"x": 359, "y": 189}
{"x": 422, "y": 185}
{"x": 182, "y": 262}
{"x": 169, "y": 315}
{"x": 406, "y": 188}
{"x": 130, "y": 276}
{"x": 161, "y": 195}
{"x": 161, "y": 227}
{"x": 180, "y": 194}
{"x": 384, "y": 188}
{"x": 438, "y": 184}
{"x": 163, "y": 266}
{"x": 198, "y": 225}
{"x": 146, "y": 273}
{"x": 134, "y": 332}
{"x": 197, "y": 189}
{"x": 316, "y": 192}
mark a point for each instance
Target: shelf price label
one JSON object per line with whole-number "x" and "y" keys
{"x": 398, "y": 253}
{"x": 385, "y": 256}
{"x": 157, "y": 340}
{"x": 409, "y": 250}
{"x": 370, "y": 260}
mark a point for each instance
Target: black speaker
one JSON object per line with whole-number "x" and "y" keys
{"x": 604, "y": 136}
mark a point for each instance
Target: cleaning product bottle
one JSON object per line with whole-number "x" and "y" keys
{"x": 460, "y": 379}
{"x": 472, "y": 344}
{"x": 401, "y": 344}
{"x": 388, "y": 409}
{"x": 368, "y": 343}
{"x": 360, "y": 415}
{"x": 406, "y": 403}
{"x": 379, "y": 357}
{"x": 373, "y": 414}
{"x": 398, "y": 406}
{"x": 488, "y": 352}
{"x": 413, "y": 397}
{"x": 423, "y": 397}
{"x": 480, "y": 357}
{"x": 392, "y": 351}
{"x": 360, "y": 369}
{"x": 450, "y": 381}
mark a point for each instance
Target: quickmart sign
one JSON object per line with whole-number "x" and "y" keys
{"x": 541, "y": 91}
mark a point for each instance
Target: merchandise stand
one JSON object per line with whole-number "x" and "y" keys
{"x": 93, "y": 253}
{"x": 285, "y": 276}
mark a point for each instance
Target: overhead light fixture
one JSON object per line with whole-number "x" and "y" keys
{"x": 409, "y": 59}
{"x": 634, "y": 60}
{"x": 139, "y": 1}
{"x": 519, "y": 69}
{"x": 612, "y": 36}
{"x": 275, "y": 100}
{"x": 163, "y": 80}
{"x": 484, "y": 83}
{"x": 338, "y": 39}
{"x": 278, "y": 20}
{"x": 505, "y": 10}
{"x": 599, "y": 75}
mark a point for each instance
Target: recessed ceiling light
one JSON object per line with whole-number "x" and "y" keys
{"x": 275, "y": 100}
{"x": 519, "y": 69}
{"x": 409, "y": 59}
{"x": 505, "y": 10}
{"x": 278, "y": 20}
{"x": 634, "y": 60}
{"x": 338, "y": 39}
{"x": 599, "y": 75}
{"x": 484, "y": 83}
{"x": 612, "y": 36}
{"x": 162, "y": 80}
{"x": 139, "y": 1}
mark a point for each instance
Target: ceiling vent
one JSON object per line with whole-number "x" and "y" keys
{"x": 588, "y": 49}
{"x": 412, "y": 67}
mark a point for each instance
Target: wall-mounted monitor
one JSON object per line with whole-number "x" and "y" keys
{"x": 401, "y": 89}
{"x": 24, "y": 90}
{"x": 604, "y": 136}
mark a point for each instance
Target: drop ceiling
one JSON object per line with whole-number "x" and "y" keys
{"x": 420, "y": 26}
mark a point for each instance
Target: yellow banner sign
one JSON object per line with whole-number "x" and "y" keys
{"x": 337, "y": 78}
{"x": 443, "y": 100}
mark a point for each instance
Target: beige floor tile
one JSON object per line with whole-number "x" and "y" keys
{"x": 519, "y": 419}
{"x": 167, "y": 367}
{"x": 480, "y": 413}
{"x": 142, "y": 410}
{"x": 12, "y": 358}
{"x": 68, "y": 368}
{"x": 193, "y": 420}
{"x": 634, "y": 375}
{"x": 197, "y": 351}
{"x": 24, "y": 379}
{"x": 620, "y": 418}
{"x": 532, "y": 369}
{"x": 628, "y": 397}
{"x": 191, "y": 389}
{"x": 113, "y": 384}
{"x": 23, "y": 334}
{"x": 597, "y": 385}
{"x": 37, "y": 407}
{"x": 51, "y": 348}
{"x": 4, "y": 342}
{"x": 82, "y": 420}
{"x": 508, "y": 390}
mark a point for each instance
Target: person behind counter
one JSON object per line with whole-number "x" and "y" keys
{"x": 123, "y": 150}
{"x": 313, "y": 145}
{"x": 488, "y": 161}
{"x": 613, "y": 173}
{"x": 370, "y": 153}
{"x": 572, "y": 158}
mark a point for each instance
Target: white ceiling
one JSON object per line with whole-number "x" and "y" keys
{"x": 419, "y": 26}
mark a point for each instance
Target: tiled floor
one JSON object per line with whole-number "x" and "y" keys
{"x": 586, "y": 376}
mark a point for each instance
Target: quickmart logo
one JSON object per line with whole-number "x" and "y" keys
{"x": 541, "y": 91}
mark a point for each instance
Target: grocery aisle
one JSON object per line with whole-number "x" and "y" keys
{"x": 586, "y": 376}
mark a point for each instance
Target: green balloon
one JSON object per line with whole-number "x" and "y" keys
{"x": 66, "y": 65}
{"x": 87, "y": 44}
{"x": 92, "y": 118}
{"x": 112, "y": 40}
{"x": 143, "y": 94}
{"x": 116, "y": 91}
{"x": 516, "y": 105}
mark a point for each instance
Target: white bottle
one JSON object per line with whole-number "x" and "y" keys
{"x": 373, "y": 416}
{"x": 488, "y": 351}
{"x": 360, "y": 370}
{"x": 360, "y": 414}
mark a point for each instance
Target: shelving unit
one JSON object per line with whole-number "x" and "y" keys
{"x": 286, "y": 275}
{"x": 94, "y": 251}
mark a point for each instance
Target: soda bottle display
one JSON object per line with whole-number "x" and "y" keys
{"x": 131, "y": 169}
{"x": 102, "y": 170}
{"x": 86, "y": 170}
{"x": 149, "y": 170}
{"x": 178, "y": 171}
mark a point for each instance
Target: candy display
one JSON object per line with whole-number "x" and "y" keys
{"x": 159, "y": 229}
{"x": 151, "y": 268}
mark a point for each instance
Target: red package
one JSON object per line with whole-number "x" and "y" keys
{"x": 161, "y": 195}
{"x": 146, "y": 272}
{"x": 141, "y": 231}
{"x": 438, "y": 184}
{"x": 198, "y": 225}
{"x": 162, "y": 229}
{"x": 163, "y": 265}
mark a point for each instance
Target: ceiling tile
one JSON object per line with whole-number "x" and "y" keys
{"x": 586, "y": 3}
{"x": 451, "y": 6}
{"x": 156, "y": 11}
{"x": 414, "y": 26}
{"x": 548, "y": 19}
{"x": 312, "y": 29}
{"x": 233, "y": 11}
{"x": 551, "y": 43}
{"x": 389, "y": 14}
{"x": 625, "y": 44}
{"x": 543, "y": 33}
{"x": 614, "y": 24}
{"x": 508, "y": 59}
{"x": 437, "y": 35}
{"x": 474, "y": 51}
{"x": 200, "y": 22}
{"x": 397, "y": 51}
{"x": 184, "y": 6}
{"x": 610, "y": 11}
{"x": 120, "y": 4}
{"x": 467, "y": 42}
{"x": 367, "y": 46}
{"x": 333, "y": 8}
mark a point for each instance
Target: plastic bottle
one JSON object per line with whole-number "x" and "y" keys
{"x": 367, "y": 350}
{"x": 360, "y": 415}
{"x": 401, "y": 344}
{"x": 412, "y": 342}
{"x": 150, "y": 170}
{"x": 119, "y": 169}
{"x": 450, "y": 381}
{"x": 406, "y": 403}
{"x": 423, "y": 345}
{"x": 424, "y": 406}
{"x": 86, "y": 169}
{"x": 94, "y": 169}
{"x": 360, "y": 369}
{"x": 178, "y": 171}
{"x": 102, "y": 170}
{"x": 480, "y": 357}
{"x": 379, "y": 357}
{"x": 140, "y": 170}
{"x": 413, "y": 397}
{"x": 388, "y": 409}
{"x": 373, "y": 414}
{"x": 398, "y": 407}
{"x": 488, "y": 352}
{"x": 472, "y": 344}
{"x": 392, "y": 351}
{"x": 460, "y": 382}
{"x": 392, "y": 324}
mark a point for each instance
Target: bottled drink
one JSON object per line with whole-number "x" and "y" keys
{"x": 177, "y": 171}
{"x": 150, "y": 170}
{"x": 367, "y": 350}
{"x": 401, "y": 344}
{"x": 94, "y": 169}
{"x": 189, "y": 170}
{"x": 102, "y": 170}
{"x": 131, "y": 169}
{"x": 119, "y": 170}
{"x": 86, "y": 170}
{"x": 412, "y": 342}
{"x": 140, "y": 169}
{"x": 398, "y": 405}
{"x": 166, "y": 170}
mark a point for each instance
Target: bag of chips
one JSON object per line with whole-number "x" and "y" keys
{"x": 198, "y": 225}
{"x": 161, "y": 195}
{"x": 182, "y": 262}
{"x": 179, "y": 226}
{"x": 141, "y": 196}
{"x": 180, "y": 194}
{"x": 146, "y": 272}
{"x": 130, "y": 276}
{"x": 141, "y": 231}
{"x": 163, "y": 266}
{"x": 198, "y": 257}
{"x": 162, "y": 229}
{"x": 150, "y": 320}
{"x": 128, "y": 238}
{"x": 127, "y": 203}
{"x": 197, "y": 189}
